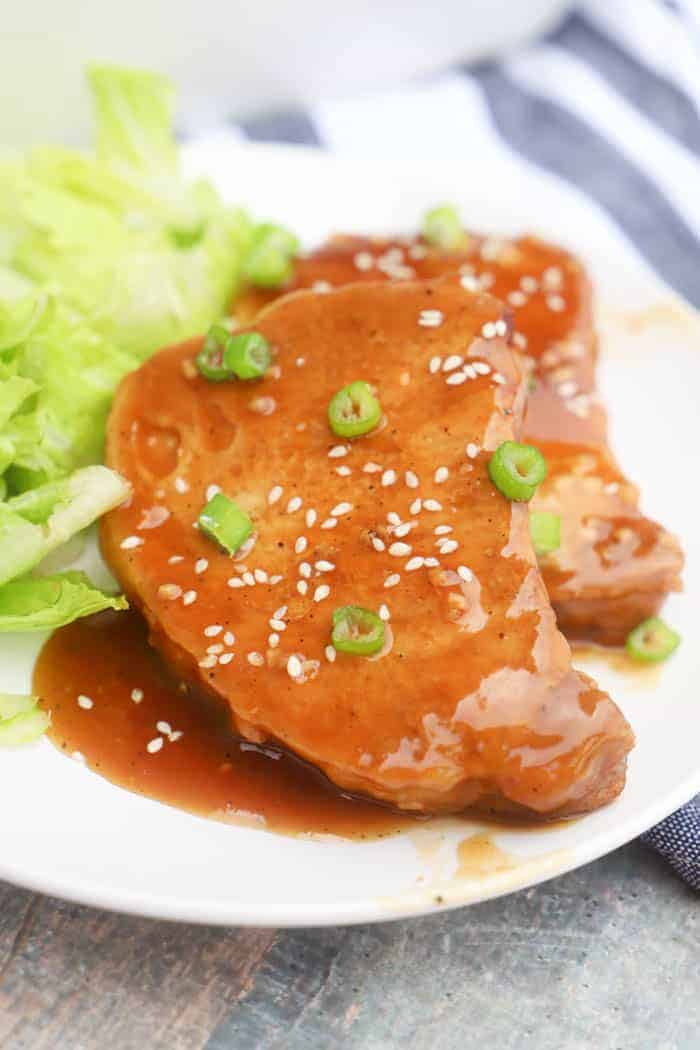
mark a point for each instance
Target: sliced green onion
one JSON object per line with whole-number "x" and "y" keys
{"x": 545, "y": 531}
{"x": 269, "y": 263}
{"x": 210, "y": 359}
{"x": 354, "y": 410}
{"x": 357, "y": 631}
{"x": 516, "y": 470}
{"x": 21, "y": 721}
{"x": 224, "y": 521}
{"x": 652, "y": 641}
{"x": 442, "y": 228}
{"x": 247, "y": 355}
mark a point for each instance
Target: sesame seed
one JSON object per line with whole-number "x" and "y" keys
{"x": 137, "y": 695}
{"x": 378, "y": 543}
{"x": 177, "y": 735}
{"x": 131, "y": 542}
{"x": 181, "y": 485}
{"x": 501, "y": 328}
{"x": 256, "y": 659}
{"x": 465, "y": 574}
{"x": 404, "y": 529}
{"x": 229, "y": 638}
{"x": 414, "y": 563}
{"x": 556, "y": 303}
{"x": 456, "y": 379}
{"x": 189, "y": 597}
{"x": 488, "y": 330}
{"x": 431, "y": 563}
{"x": 321, "y": 592}
{"x": 393, "y": 518}
{"x": 171, "y": 591}
{"x": 343, "y": 471}
{"x": 273, "y": 640}
{"x": 384, "y": 613}
{"x": 371, "y": 468}
{"x": 215, "y": 649}
{"x": 415, "y": 507}
{"x": 305, "y": 569}
{"x": 481, "y": 368}
{"x": 302, "y": 587}
{"x": 498, "y": 378}
{"x": 154, "y": 745}
{"x": 78, "y": 756}
{"x": 294, "y": 668}
{"x": 430, "y": 318}
{"x": 294, "y": 504}
{"x": 201, "y": 565}
{"x": 321, "y": 286}
{"x": 324, "y": 566}
{"x": 520, "y": 340}
{"x": 300, "y": 545}
{"x": 567, "y": 389}
{"x": 174, "y": 559}
{"x": 164, "y": 727}
{"x": 529, "y": 284}
{"x": 279, "y": 614}
{"x": 260, "y": 575}
{"x": 411, "y": 479}
{"x": 432, "y": 504}
{"x": 337, "y": 451}
{"x": 469, "y": 283}
{"x": 434, "y": 364}
{"x": 212, "y": 490}
{"x": 388, "y": 478}
{"x": 235, "y": 581}
{"x": 330, "y": 653}
{"x": 472, "y": 450}
{"x": 442, "y": 530}
{"x": 85, "y": 702}
{"x": 276, "y": 579}
{"x": 274, "y": 494}
{"x": 248, "y": 578}
{"x": 212, "y": 630}
{"x": 448, "y": 546}
{"x": 277, "y": 625}
{"x": 329, "y": 523}
{"x": 363, "y": 261}
{"x": 208, "y": 661}
{"x": 400, "y": 550}
{"x": 452, "y": 362}
{"x": 517, "y": 298}
{"x": 311, "y": 516}
{"x": 225, "y": 658}
{"x": 392, "y": 580}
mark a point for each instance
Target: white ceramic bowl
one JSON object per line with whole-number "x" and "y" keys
{"x": 237, "y": 56}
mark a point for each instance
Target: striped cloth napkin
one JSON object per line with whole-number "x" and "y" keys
{"x": 610, "y": 100}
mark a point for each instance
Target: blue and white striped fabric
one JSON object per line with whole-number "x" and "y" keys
{"x": 609, "y": 101}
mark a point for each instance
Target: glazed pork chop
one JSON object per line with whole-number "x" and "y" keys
{"x": 614, "y": 566}
{"x": 472, "y": 700}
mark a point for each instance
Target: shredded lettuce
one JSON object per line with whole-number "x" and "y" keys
{"x": 41, "y": 603}
{"x": 105, "y": 256}
{"x": 21, "y": 720}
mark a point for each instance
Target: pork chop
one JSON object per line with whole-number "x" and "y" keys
{"x": 614, "y": 566}
{"x": 472, "y": 701}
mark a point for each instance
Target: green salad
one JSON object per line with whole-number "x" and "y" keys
{"x": 105, "y": 256}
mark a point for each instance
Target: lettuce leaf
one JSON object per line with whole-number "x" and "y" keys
{"x": 45, "y": 602}
{"x": 21, "y": 720}
{"x": 64, "y": 508}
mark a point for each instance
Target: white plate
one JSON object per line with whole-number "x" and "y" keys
{"x": 70, "y": 833}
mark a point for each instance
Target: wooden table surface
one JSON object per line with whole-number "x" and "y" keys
{"x": 604, "y": 958}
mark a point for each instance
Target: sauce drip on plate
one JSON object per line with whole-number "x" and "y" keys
{"x": 129, "y": 699}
